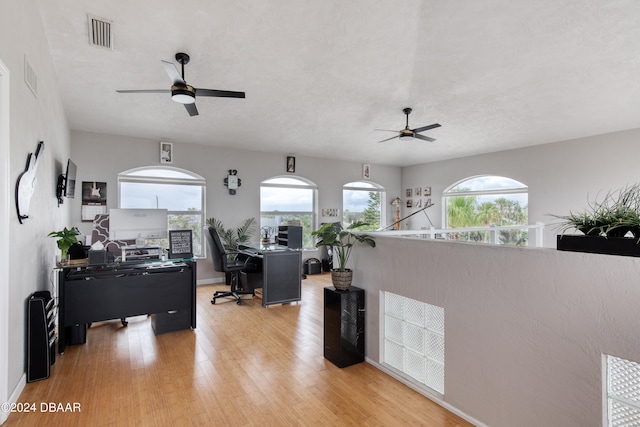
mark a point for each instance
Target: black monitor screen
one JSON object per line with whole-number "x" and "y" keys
{"x": 70, "y": 180}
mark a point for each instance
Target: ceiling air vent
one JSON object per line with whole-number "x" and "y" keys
{"x": 100, "y": 32}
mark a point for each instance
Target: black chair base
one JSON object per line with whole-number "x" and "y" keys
{"x": 234, "y": 292}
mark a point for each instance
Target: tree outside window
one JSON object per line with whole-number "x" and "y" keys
{"x": 485, "y": 201}
{"x": 362, "y": 201}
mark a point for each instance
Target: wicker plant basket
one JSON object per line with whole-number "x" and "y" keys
{"x": 341, "y": 279}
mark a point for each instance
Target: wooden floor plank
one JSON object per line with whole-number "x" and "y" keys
{"x": 245, "y": 365}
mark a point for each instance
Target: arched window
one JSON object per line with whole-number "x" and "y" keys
{"x": 363, "y": 201}
{"x": 287, "y": 200}
{"x": 487, "y": 200}
{"x": 179, "y": 191}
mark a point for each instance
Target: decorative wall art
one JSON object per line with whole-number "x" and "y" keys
{"x": 166, "y": 152}
{"x": 232, "y": 182}
{"x": 366, "y": 171}
{"x": 94, "y": 200}
{"x": 27, "y": 182}
{"x": 330, "y": 212}
{"x": 291, "y": 164}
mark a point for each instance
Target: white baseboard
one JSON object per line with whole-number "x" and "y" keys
{"x": 14, "y": 396}
{"x": 435, "y": 397}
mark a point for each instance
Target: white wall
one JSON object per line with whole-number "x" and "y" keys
{"x": 32, "y": 119}
{"x": 561, "y": 176}
{"x": 101, "y": 157}
{"x": 524, "y": 327}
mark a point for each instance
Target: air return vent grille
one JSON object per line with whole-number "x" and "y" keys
{"x": 100, "y": 32}
{"x": 30, "y": 77}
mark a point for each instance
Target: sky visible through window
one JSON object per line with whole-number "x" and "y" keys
{"x": 356, "y": 199}
{"x": 489, "y": 183}
{"x": 174, "y": 197}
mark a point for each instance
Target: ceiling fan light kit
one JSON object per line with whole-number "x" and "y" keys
{"x": 407, "y": 134}
{"x": 183, "y": 93}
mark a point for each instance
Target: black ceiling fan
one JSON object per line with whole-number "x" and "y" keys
{"x": 408, "y": 134}
{"x": 180, "y": 91}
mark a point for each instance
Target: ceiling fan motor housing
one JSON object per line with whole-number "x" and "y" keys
{"x": 406, "y": 134}
{"x": 183, "y": 94}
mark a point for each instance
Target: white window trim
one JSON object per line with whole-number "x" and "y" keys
{"x": 376, "y": 187}
{"x": 305, "y": 184}
{"x": 195, "y": 179}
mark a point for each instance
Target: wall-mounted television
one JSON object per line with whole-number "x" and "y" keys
{"x": 129, "y": 224}
{"x": 67, "y": 183}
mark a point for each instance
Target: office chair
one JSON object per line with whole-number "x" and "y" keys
{"x": 225, "y": 261}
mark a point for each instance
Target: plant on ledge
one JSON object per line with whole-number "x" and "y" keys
{"x": 342, "y": 241}
{"x": 616, "y": 215}
{"x": 66, "y": 238}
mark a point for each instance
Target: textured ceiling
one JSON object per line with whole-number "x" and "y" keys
{"x": 321, "y": 75}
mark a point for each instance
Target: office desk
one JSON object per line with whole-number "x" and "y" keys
{"x": 166, "y": 290}
{"x": 281, "y": 272}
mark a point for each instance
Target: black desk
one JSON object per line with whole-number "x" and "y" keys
{"x": 281, "y": 280}
{"x": 166, "y": 290}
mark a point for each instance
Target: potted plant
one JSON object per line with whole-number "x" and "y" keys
{"x": 66, "y": 238}
{"x": 342, "y": 241}
{"x": 231, "y": 238}
{"x": 605, "y": 225}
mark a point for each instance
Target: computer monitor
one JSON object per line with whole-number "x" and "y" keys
{"x": 130, "y": 224}
{"x": 67, "y": 182}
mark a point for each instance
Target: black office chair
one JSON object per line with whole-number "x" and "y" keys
{"x": 229, "y": 262}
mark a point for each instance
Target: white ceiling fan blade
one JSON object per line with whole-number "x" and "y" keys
{"x": 174, "y": 75}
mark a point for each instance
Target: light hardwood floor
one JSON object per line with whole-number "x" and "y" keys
{"x": 244, "y": 365}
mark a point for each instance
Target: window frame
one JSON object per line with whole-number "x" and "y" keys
{"x": 368, "y": 187}
{"x": 136, "y": 175}
{"x": 303, "y": 183}
{"x": 518, "y": 188}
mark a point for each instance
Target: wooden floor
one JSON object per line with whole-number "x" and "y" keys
{"x": 244, "y": 365}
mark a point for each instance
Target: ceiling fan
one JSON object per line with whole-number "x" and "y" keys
{"x": 407, "y": 134}
{"x": 180, "y": 91}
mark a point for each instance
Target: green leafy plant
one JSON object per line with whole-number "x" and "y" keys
{"x": 342, "y": 240}
{"x": 66, "y": 238}
{"x": 231, "y": 238}
{"x": 616, "y": 214}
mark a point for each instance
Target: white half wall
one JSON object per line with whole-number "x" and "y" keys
{"x": 525, "y": 328}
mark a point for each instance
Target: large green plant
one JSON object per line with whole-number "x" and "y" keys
{"x": 231, "y": 238}
{"x": 342, "y": 240}
{"x": 614, "y": 215}
{"x": 66, "y": 238}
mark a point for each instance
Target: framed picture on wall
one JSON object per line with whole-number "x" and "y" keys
{"x": 366, "y": 171}
{"x": 166, "y": 152}
{"x": 291, "y": 164}
{"x": 427, "y": 191}
{"x": 94, "y": 200}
